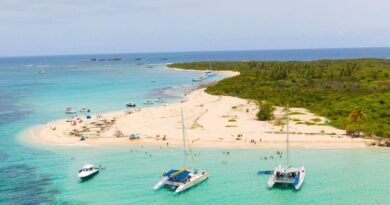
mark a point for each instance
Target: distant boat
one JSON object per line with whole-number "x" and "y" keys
{"x": 69, "y": 110}
{"x": 287, "y": 175}
{"x": 210, "y": 73}
{"x": 88, "y": 171}
{"x": 131, "y": 104}
{"x": 184, "y": 178}
{"x": 200, "y": 78}
{"x": 159, "y": 100}
{"x": 84, "y": 109}
{"x": 114, "y": 59}
{"x": 41, "y": 71}
{"x": 148, "y": 102}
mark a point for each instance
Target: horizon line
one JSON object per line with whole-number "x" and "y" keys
{"x": 187, "y": 51}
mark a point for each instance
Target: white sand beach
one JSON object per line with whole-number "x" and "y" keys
{"x": 211, "y": 121}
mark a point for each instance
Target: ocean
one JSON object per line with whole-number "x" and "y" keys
{"x": 32, "y": 174}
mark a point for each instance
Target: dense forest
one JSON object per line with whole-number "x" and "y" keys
{"x": 353, "y": 94}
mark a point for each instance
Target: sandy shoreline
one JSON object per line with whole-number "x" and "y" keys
{"x": 211, "y": 121}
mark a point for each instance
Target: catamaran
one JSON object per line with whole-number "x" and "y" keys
{"x": 185, "y": 178}
{"x": 287, "y": 175}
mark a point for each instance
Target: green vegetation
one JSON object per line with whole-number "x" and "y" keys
{"x": 265, "y": 112}
{"x": 330, "y": 88}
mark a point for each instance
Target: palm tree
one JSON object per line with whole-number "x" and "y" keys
{"x": 356, "y": 117}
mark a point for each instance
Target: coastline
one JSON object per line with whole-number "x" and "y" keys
{"x": 211, "y": 122}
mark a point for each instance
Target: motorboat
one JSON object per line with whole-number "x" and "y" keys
{"x": 84, "y": 109}
{"x": 287, "y": 175}
{"x": 88, "y": 171}
{"x": 69, "y": 110}
{"x": 131, "y": 104}
{"x": 148, "y": 102}
{"x": 41, "y": 71}
{"x": 185, "y": 178}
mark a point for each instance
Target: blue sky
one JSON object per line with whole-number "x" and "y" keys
{"x": 41, "y": 27}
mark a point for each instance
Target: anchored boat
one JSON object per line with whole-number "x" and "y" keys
{"x": 200, "y": 78}
{"x": 131, "y": 104}
{"x": 69, "y": 110}
{"x": 210, "y": 73}
{"x": 88, "y": 171}
{"x": 148, "y": 102}
{"x": 287, "y": 175}
{"x": 185, "y": 178}
{"x": 84, "y": 109}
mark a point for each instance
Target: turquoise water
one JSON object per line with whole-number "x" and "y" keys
{"x": 48, "y": 175}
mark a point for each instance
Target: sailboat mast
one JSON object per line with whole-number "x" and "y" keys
{"x": 287, "y": 148}
{"x": 184, "y": 139}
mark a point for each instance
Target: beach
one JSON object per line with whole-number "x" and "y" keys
{"x": 210, "y": 121}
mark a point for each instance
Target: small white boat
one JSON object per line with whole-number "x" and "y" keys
{"x": 148, "y": 102}
{"x": 200, "y": 78}
{"x": 84, "y": 109}
{"x": 69, "y": 110}
{"x": 185, "y": 178}
{"x": 287, "y": 175}
{"x": 159, "y": 100}
{"x": 210, "y": 73}
{"x": 131, "y": 104}
{"x": 41, "y": 71}
{"x": 88, "y": 171}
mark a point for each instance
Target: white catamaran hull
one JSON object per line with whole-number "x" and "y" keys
{"x": 301, "y": 178}
{"x": 194, "y": 181}
{"x": 161, "y": 183}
